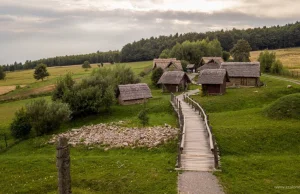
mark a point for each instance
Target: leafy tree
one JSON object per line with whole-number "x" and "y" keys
{"x": 2, "y": 73}
{"x": 45, "y": 117}
{"x": 266, "y": 60}
{"x": 20, "y": 127}
{"x": 241, "y": 51}
{"x": 40, "y": 72}
{"x": 225, "y": 55}
{"x": 156, "y": 74}
{"x": 165, "y": 54}
{"x": 277, "y": 67}
{"x": 143, "y": 115}
{"x": 86, "y": 65}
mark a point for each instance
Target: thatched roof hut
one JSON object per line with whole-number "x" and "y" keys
{"x": 174, "y": 81}
{"x": 133, "y": 93}
{"x": 167, "y": 64}
{"x": 213, "y": 81}
{"x": 211, "y": 65}
{"x": 205, "y": 60}
{"x": 242, "y": 73}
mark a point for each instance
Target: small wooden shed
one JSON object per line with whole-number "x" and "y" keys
{"x": 191, "y": 68}
{"x": 205, "y": 60}
{"x": 242, "y": 73}
{"x": 170, "y": 64}
{"x": 174, "y": 81}
{"x": 213, "y": 81}
{"x": 133, "y": 93}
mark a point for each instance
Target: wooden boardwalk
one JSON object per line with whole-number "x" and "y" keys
{"x": 196, "y": 154}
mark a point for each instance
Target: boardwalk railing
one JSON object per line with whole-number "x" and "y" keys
{"x": 205, "y": 117}
{"x": 177, "y": 106}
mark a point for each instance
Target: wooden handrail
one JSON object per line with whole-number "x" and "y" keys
{"x": 212, "y": 142}
{"x": 183, "y": 135}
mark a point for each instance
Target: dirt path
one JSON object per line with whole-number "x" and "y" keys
{"x": 283, "y": 79}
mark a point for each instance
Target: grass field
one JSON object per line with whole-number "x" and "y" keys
{"x": 257, "y": 153}
{"x": 29, "y": 166}
{"x": 290, "y": 57}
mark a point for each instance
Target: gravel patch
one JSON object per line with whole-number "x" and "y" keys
{"x": 115, "y": 136}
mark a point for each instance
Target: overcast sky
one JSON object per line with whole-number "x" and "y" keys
{"x": 33, "y": 29}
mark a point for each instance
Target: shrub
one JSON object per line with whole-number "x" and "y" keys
{"x": 62, "y": 85}
{"x": 143, "y": 115}
{"x": 45, "y": 117}
{"x": 277, "y": 67}
{"x": 156, "y": 74}
{"x": 266, "y": 60}
{"x": 18, "y": 87}
{"x": 184, "y": 65}
{"x": 142, "y": 74}
{"x": 86, "y": 65}
{"x": 225, "y": 55}
{"x": 20, "y": 127}
{"x": 284, "y": 107}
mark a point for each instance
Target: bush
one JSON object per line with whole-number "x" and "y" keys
{"x": 225, "y": 55}
{"x": 277, "y": 67}
{"x": 142, "y": 74}
{"x": 156, "y": 74}
{"x": 184, "y": 65}
{"x": 143, "y": 115}
{"x": 45, "y": 117}
{"x": 62, "y": 85}
{"x": 285, "y": 107}
{"x": 86, "y": 65}
{"x": 266, "y": 60}
{"x": 20, "y": 127}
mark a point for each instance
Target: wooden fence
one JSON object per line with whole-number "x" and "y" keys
{"x": 205, "y": 117}
{"x": 177, "y": 106}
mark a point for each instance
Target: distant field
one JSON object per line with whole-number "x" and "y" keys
{"x": 33, "y": 87}
{"x": 290, "y": 57}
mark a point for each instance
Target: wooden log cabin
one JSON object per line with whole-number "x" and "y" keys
{"x": 213, "y": 81}
{"x": 245, "y": 74}
{"x": 174, "y": 81}
{"x": 133, "y": 93}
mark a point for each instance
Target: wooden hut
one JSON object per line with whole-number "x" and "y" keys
{"x": 242, "y": 73}
{"x": 213, "y": 81}
{"x": 191, "y": 68}
{"x": 170, "y": 64}
{"x": 174, "y": 81}
{"x": 133, "y": 93}
{"x": 205, "y": 60}
{"x": 210, "y": 65}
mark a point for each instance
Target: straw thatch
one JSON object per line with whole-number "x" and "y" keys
{"x": 173, "y": 77}
{"x": 134, "y": 92}
{"x": 209, "y": 66}
{"x": 166, "y": 63}
{"x": 242, "y": 69}
{"x": 190, "y": 66}
{"x": 212, "y": 76}
{"x": 218, "y": 60}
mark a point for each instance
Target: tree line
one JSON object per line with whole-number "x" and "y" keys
{"x": 98, "y": 57}
{"x": 260, "y": 38}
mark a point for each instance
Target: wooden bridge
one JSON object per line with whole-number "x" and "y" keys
{"x": 197, "y": 149}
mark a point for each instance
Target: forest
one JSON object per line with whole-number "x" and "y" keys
{"x": 260, "y": 38}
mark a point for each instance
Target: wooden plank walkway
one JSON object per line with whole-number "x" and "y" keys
{"x": 196, "y": 154}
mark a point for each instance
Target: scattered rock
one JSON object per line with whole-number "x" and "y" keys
{"x": 289, "y": 86}
{"x": 113, "y": 135}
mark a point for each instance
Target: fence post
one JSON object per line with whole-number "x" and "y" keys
{"x": 63, "y": 166}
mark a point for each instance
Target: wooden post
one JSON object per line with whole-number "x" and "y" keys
{"x": 63, "y": 166}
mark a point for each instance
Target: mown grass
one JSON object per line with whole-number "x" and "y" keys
{"x": 29, "y": 165}
{"x": 257, "y": 153}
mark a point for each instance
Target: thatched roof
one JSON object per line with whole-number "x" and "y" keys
{"x": 173, "y": 77}
{"x": 190, "y": 66}
{"x": 134, "y": 91}
{"x": 211, "y": 65}
{"x": 166, "y": 63}
{"x": 218, "y": 60}
{"x": 212, "y": 76}
{"x": 242, "y": 69}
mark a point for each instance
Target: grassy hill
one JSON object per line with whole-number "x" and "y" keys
{"x": 258, "y": 153}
